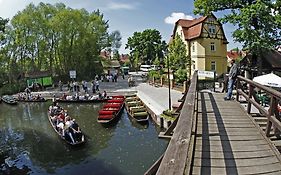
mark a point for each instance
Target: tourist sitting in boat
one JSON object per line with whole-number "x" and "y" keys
{"x": 76, "y": 131}
{"x": 104, "y": 95}
{"x": 86, "y": 97}
{"x": 81, "y": 97}
{"x": 64, "y": 96}
{"x": 68, "y": 97}
{"x": 76, "y": 97}
{"x": 61, "y": 116}
{"x": 94, "y": 97}
{"x": 68, "y": 130}
{"x": 60, "y": 128}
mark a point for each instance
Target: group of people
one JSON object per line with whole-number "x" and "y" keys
{"x": 78, "y": 96}
{"x": 30, "y": 97}
{"x": 113, "y": 77}
{"x": 64, "y": 124}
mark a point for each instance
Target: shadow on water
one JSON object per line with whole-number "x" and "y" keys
{"x": 21, "y": 151}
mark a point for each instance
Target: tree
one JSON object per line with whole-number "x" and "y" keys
{"x": 115, "y": 39}
{"x": 258, "y": 21}
{"x": 178, "y": 59}
{"x": 146, "y": 46}
{"x": 57, "y": 38}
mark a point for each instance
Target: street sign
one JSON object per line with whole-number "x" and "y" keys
{"x": 72, "y": 73}
{"x": 209, "y": 74}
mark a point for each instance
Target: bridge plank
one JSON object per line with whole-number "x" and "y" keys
{"x": 228, "y": 141}
{"x": 270, "y": 168}
{"x": 235, "y": 154}
{"x": 235, "y": 162}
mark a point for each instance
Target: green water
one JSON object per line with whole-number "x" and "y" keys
{"x": 29, "y": 144}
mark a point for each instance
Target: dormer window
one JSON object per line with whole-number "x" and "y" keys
{"x": 212, "y": 29}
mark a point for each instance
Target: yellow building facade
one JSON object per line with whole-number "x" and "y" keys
{"x": 205, "y": 42}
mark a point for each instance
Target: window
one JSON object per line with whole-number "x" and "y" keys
{"x": 212, "y": 29}
{"x": 213, "y": 65}
{"x": 213, "y": 48}
{"x": 193, "y": 47}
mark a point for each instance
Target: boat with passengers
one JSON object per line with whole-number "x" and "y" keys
{"x": 66, "y": 127}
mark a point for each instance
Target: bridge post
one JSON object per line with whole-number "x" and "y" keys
{"x": 238, "y": 86}
{"x": 251, "y": 90}
{"x": 271, "y": 111}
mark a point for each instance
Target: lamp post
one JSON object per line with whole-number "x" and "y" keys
{"x": 169, "y": 84}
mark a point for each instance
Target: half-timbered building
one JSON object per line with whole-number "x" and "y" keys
{"x": 205, "y": 42}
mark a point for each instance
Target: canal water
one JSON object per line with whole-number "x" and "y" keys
{"x": 28, "y": 144}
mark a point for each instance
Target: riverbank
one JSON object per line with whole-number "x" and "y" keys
{"x": 155, "y": 98}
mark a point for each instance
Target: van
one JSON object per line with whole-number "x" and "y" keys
{"x": 145, "y": 68}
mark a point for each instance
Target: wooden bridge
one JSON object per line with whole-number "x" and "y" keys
{"x": 213, "y": 136}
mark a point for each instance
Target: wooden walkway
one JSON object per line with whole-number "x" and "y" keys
{"x": 228, "y": 141}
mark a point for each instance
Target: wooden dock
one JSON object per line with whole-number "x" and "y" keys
{"x": 228, "y": 141}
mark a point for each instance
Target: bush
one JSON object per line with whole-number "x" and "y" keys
{"x": 168, "y": 115}
{"x": 180, "y": 75}
{"x": 10, "y": 89}
{"x": 154, "y": 73}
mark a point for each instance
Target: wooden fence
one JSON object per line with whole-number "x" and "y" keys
{"x": 178, "y": 155}
{"x": 248, "y": 89}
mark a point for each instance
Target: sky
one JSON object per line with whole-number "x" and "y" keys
{"x": 128, "y": 16}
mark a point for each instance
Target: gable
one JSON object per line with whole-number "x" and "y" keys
{"x": 200, "y": 27}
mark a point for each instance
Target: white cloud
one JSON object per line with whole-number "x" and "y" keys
{"x": 175, "y": 16}
{"x": 121, "y": 6}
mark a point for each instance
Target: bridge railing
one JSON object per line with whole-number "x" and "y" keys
{"x": 178, "y": 155}
{"x": 247, "y": 88}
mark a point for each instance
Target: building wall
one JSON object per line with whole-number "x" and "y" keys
{"x": 200, "y": 48}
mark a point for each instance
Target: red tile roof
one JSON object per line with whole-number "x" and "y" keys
{"x": 233, "y": 55}
{"x": 191, "y": 28}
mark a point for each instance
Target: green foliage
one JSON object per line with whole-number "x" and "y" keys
{"x": 145, "y": 47}
{"x": 154, "y": 73}
{"x": 168, "y": 115}
{"x": 180, "y": 75}
{"x": 10, "y": 89}
{"x": 56, "y": 38}
{"x": 178, "y": 59}
{"x": 258, "y": 21}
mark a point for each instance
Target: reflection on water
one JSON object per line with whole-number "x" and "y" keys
{"x": 29, "y": 145}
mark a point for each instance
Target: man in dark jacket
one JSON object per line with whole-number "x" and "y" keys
{"x": 231, "y": 79}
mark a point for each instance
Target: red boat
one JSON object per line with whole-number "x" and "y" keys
{"x": 112, "y": 110}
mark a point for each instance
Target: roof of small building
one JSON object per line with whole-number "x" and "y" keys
{"x": 271, "y": 60}
{"x": 110, "y": 64}
{"x": 37, "y": 74}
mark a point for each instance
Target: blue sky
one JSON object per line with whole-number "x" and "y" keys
{"x": 127, "y": 16}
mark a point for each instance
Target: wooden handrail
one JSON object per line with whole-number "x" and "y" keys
{"x": 177, "y": 155}
{"x": 275, "y": 96}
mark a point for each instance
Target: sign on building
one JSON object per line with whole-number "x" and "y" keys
{"x": 209, "y": 74}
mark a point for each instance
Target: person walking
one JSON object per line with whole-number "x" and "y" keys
{"x": 97, "y": 85}
{"x": 231, "y": 79}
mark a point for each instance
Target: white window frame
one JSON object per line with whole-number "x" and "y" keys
{"x": 213, "y": 47}
{"x": 213, "y": 65}
{"x": 212, "y": 29}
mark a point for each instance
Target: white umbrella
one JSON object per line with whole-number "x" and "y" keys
{"x": 271, "y": 80}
